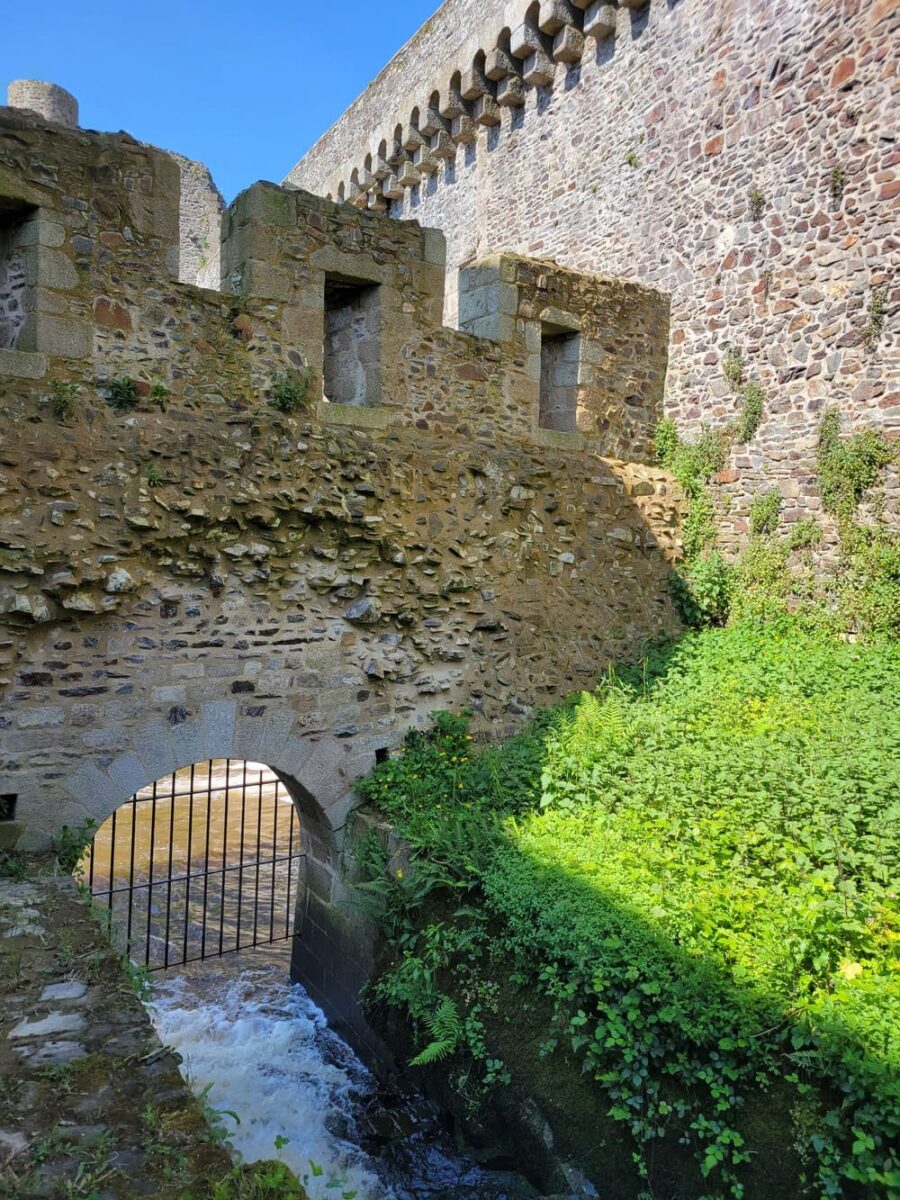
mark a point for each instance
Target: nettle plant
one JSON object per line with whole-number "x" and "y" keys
{"x": 63, "y": 394}
{"x": 691, "y": 865}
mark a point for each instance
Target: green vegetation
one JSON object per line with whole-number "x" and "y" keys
{"x": 160, "y": 393}
{"x": 121, "y": 394}
{"x": 290, "y": 389}
{"x": 751, "y": 411}
{"x": 259, "y": 1181}
{"x": 63, "y": 395}
{"x": 733, "y": 368}
{"x": 688, "y": 876}
{"x": 774, "y": 576}
{"x": 692, "y": 866}
{"x": 70, "y": 845}
{"x": 837, "y": 181}
{"x": 765, "y": 511}
{"x": 877, "y": 317}
{"x": 154, "y": 476}
{"x": 848, "y": 467}
{"x": 632, "y": 159}
{"x": 756, "y": 203}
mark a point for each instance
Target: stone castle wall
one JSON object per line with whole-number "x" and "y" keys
{"x": 196, "y": 574}
{"x": 740, "y": 156}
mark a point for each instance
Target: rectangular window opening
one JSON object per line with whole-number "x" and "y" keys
{"x": 8, "y": 806}
{"x": 352, "y": 358}
{"x": 560, "y": 359}
{"x": 14, "y": 221}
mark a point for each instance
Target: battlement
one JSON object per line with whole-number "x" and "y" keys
{"x": 348, "y": 304}
{"x": 739, "y": 157}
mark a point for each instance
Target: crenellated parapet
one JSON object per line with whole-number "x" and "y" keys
{"x": 468, "y": 67}
{"x": 350, "y": 301}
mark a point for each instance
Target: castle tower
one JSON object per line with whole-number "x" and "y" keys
{"x": 48, "y": 99}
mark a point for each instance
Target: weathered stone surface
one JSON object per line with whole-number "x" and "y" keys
{"x": 643, "y": 159}
{"x": 191, "y": 573}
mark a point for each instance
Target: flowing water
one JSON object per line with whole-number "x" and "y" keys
{"x": 204, "y": 863}
{"x": 255, "y": 1045}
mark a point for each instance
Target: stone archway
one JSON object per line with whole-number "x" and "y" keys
{"x": 334, "y": 942}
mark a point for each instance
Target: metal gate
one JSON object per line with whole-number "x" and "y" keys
{"x": 198, "y": 865}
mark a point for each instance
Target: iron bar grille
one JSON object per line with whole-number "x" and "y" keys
{"x": 200, "y": 864}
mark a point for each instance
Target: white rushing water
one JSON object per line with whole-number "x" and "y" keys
{"x": 264, "y": 1051}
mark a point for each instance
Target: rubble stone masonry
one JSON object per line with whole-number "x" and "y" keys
{"x": 188, "y": 572}
{"x": 740, "y": 155}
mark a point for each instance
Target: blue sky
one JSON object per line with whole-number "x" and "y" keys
{"x": 244, "y": 87}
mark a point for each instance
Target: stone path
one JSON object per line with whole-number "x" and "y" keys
{"x": 91, "y": 1104}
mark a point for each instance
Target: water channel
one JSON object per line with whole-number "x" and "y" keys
{"x": 254, "y": 1045}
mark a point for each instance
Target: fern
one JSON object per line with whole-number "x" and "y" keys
{"x": 445, "y": 1029}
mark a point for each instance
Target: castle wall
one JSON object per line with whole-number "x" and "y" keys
{"x": 188, "y": 572}
{"x": 740, "y": 156}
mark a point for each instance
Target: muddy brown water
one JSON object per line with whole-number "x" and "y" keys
{"x": 202, "y": 863}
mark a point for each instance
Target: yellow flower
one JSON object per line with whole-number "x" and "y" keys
{"x": 850, "y": 970}
{"x": 399, "y": 872}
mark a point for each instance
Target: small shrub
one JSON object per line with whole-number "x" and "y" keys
{"x": 62, "y": 398}
{"x": 756, "y": 203}
{"x": 702, "y": 591}
{"x": 699, "y": 529}
{"x": 70, "y": 845}
{"x": 751, "y": 411}
{"x": 631, "y": 159}
{"x": 765, "y": 511}
{"x": 160, "y": 394}
{"x": 665, "y": 442}
{"x": 733, "y": 368}
{"x": 290, "y": 388}
{"x": 121, "y": 394}
{"x": 154, "y": 476}
{"x": 869, "y": 591}
{"x": 804, "y": 535}
{"x": 877, "y": 317}
{"x": 848, "y": 466}
{"x": 836, "y": 183}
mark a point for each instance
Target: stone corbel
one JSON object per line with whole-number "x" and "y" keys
{"x": 528, "y": 44}
{"x": 475, "y": 84}
{"x": 486, "y": 110}
{"x": 409, "y": 175}
{"x": 555, "y": 15}
{"x": 425, "y": 161}
{"x": 443, "y": 145}
{"x": 600, "y": 20}
{"x": 462, "y": 129}
{"x": 511, "y": 92}
{"x": 431, "y": 123}
{"x": 412, "y": 140}
{"x": 396, "y": 158}
{"x": 454, "y": 106}
{"x": 392, "y": 189}
{"x": 500, "y": 64}
{"x": 380, "y": 168}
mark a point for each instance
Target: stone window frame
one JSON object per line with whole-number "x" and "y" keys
{"x": 357, "y": 285}
{"x": 555, "y": 325}
{"x": 50, "y": 274}
{"x": 18, "y": 230}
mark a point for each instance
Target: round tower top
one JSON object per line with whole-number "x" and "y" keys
{"x": 50, "y": 101}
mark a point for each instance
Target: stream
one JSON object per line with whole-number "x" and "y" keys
{"x": 254, "y": 1045}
